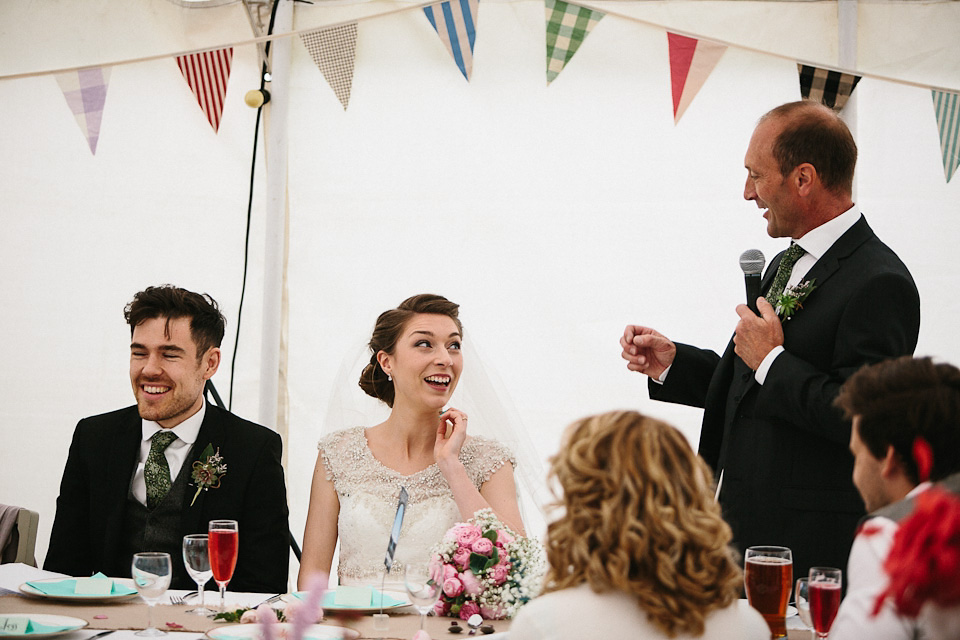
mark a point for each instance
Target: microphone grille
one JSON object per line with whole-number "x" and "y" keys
{"x": 752, "y": 261}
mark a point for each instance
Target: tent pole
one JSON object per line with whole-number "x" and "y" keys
{"x": 847, "y": 28}
{"x": 275, "y": 129}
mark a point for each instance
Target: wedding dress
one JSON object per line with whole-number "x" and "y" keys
{"x": 368, "y": 493}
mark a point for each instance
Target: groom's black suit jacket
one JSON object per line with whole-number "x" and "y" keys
{"x": 87, "y": 531}
{"x": 782, "y": 447}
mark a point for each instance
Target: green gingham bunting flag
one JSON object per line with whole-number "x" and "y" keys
{"x": 567, "y": 28}
{"x": 947, "y": 106}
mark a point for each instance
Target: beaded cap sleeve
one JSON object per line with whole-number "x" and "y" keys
{"x": 368, "y": 493}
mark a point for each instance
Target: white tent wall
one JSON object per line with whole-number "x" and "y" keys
{"x": 553, "y": 215}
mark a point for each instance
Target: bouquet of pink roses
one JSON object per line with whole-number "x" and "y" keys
{"x": 486, "y": 568}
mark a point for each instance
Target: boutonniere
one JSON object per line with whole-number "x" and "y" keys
{"x": 206, "y": 475}
{"x": 792, "y": 298}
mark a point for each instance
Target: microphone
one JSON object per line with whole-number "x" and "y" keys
{"x": 751, "y": 262}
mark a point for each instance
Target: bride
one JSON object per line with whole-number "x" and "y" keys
{"x": 414, "y": 369}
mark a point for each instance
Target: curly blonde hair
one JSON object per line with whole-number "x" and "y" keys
{"x": 640, "y": 517}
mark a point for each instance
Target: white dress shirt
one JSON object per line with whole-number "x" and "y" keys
{"x": 176, "y": 453}
{"x": 815, "y": 242}
{"x": 866, "y": 579}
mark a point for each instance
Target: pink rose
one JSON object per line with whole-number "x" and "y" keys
{"x": 500, "y": 573}
{"x": 452, "y": 587}
{"x": 462, "y": 557}
{"x": 442, "y": 608}
{"x": 495, "y": 612}
{"x": 249, "y": 617}
{"x": 448, "y": 571}
{"x": 503, "y": 538}
{"x": 466, "y": 534}
{"x": 471, "y": 584}
{"x": 468, "y": 609}
{"x": 483, "y": 546}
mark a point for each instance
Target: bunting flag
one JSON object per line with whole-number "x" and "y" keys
{"x": 567, "y": 27}
{"x": 86, "y": 93}
{"x": 333, "y": 51}
{"x": 207, "y": 74}
{"x": 455, "y": 21}
{"x": 947, "y": 107}
{"x": 830, "y": 88}
{"x": 691, "y": 62}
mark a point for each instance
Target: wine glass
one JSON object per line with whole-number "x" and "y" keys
{"x": 222, "y": 544}
{"x": 151, "y": 577}
{"x": 802, "y": 596}
{"x": 768, "y": 576}
{"x": 824, "y": 585}
{"x": 423, "y": 584}
{"x": 196, "y": 558}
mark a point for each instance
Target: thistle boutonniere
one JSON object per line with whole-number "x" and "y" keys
{"x": 206, "y": 475}
{"x": 792, "y": 298}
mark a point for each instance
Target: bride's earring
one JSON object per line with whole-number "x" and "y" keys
{"x": 390, "y": 379}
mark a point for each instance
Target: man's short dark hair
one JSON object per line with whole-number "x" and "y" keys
{"x": 900, "y": 399}
{"x": 813, "y": 133}
{"x": 207, "y": 324}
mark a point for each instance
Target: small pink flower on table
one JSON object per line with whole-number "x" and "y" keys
{"x": 421, "y": 635}
{"x": 468, "y": 609}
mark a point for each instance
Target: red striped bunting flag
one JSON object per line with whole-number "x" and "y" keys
{"x": 207, "y": 74}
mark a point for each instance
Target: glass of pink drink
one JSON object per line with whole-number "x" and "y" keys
{"x": 824, "y": 588}
{"x": 223, "y": 538}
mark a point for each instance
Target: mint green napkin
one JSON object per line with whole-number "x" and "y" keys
{"x": 69, "y": 588}
{"x": 37, "y": 628}
{"x": 329, "y": 596}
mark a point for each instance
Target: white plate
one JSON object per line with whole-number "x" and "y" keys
{"x": 346, "y": 609}
{"x": 30, "y": 591}
{"x": 791, "y": 610}
{"x": 48, "y": 619}
{"x": 252, "y": 632}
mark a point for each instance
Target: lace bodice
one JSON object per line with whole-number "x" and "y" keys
{"x": 368, "y": 493}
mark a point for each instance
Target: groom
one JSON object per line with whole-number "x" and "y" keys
{"x": 141, "y": 478}
{"x": 769, "y": 424}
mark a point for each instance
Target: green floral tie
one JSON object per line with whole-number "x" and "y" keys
{"x": 790, "y": 257}
{"x": 156, "y": 471}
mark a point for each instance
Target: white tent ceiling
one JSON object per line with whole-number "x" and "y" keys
{"x": 554, "y": 215}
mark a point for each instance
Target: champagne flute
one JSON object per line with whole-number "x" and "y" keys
{"x": 151, "y": 576}
{"x": 768, "y": 576}
{"x": 222, "y": 543}
{"x": 802, "y": 595}
{"x": 824, "y": 585}
{"x": 196, "y": 558}
{"x": 423, "y": 585}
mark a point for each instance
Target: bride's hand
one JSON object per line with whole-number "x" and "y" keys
{"x": 447, "y": 447}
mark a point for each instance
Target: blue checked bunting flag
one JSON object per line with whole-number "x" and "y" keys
{"x": 567, "y": 27}
{"x": 947, "y": 106}
{"x": 86, "y": 92}
{"x": 333, "y": 51}
{"x": 830, "y": 88}
{"x": 455, "y": 21}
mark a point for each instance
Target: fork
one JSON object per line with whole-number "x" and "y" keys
{"x": 175, "y": 599}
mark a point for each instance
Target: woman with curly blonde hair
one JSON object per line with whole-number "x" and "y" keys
{"x": 641, "y": 550}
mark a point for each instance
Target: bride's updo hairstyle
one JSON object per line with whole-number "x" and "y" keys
{"x": 640, "y": 518}
{"x": 389, "y": 328}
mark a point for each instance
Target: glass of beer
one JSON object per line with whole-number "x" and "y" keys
{"x": 768, "y": 576}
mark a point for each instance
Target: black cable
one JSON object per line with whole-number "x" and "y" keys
{"x": 253, "y": 166}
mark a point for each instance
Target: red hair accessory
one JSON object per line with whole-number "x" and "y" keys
{"x": 923, "y": 456}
